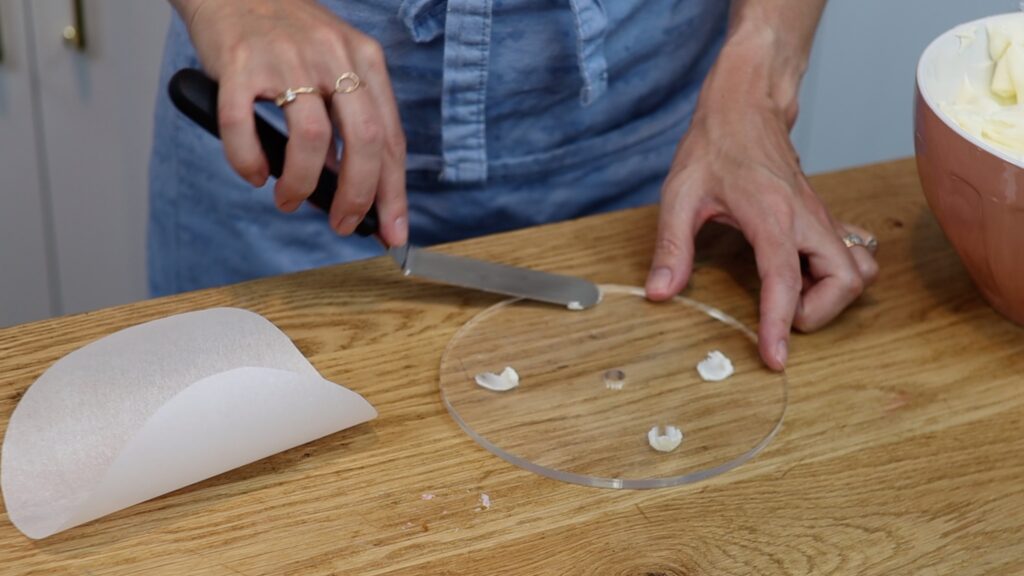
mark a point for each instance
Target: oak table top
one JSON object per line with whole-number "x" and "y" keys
{"x": 902, "y": 451}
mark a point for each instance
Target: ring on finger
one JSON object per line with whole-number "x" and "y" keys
{"x": 347, "y": 83}
{"x": 851, "y": 240}
{"x": 289, "y": 95}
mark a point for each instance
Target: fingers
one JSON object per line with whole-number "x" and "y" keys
{"x": 362, "y": 136}
{"x": 391, "y": 196}
{"x": 673, "y": 252}
{"x": 863, "y": 255}
{"x": 839, "y": 276}
{"x": 778, "y": 265}
{"x": 372, "y": 140}
{"x": 372, "y": 164}
{"x": 781, "y": 236}
{"x": 309, "y": 140}
{"x": 835, "y": 283}
{"x": 235, "y": 115}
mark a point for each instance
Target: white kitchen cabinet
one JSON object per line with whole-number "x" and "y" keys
{"x": 96, "y": 121}
{"x": 27, "y": 287}
{"x": 75, "y": 135}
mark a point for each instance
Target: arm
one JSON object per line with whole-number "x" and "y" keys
{"x": 767, "y": 49}
{"x": 736, "y": 165}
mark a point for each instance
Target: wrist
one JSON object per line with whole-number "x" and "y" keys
{"x": 758, "y": 68}
{"x": 187, "y": 9}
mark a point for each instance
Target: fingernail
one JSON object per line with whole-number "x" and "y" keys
{"x": 782, "y": 353}
{"x": 659, "y": 280}
{"x": 401, "y": 230}
{"x": 260, "y": 179}
{"x": 348, "y": 224}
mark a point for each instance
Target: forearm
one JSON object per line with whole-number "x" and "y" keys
{"x": 765, "y": 54}
{"x": 786, "y": 25}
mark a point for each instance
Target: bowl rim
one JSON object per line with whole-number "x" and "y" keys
{"x": 937, "y": 110}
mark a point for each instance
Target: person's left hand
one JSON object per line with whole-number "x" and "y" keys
{"x": 736, "y": 165}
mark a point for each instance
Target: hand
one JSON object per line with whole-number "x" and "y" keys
{"x": 736, "y": 165}
{"x": 258, "y": 48}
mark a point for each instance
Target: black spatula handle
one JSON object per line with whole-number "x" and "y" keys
{"x": 195, "y": 95}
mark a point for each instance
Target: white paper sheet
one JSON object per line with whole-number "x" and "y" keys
{"x": 156, "y": 407}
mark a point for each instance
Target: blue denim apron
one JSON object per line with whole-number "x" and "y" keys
{"x": 516, "y": 112}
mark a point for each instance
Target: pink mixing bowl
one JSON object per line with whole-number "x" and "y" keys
{"x": 975, "y": 189}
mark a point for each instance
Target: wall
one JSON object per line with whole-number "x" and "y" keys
{"x": 857, "y": 98}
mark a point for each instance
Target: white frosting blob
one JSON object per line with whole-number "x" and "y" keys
{"x": 716, "y": 367}
{"x": 666, "y": 442}
{"x": 507, "y": 380}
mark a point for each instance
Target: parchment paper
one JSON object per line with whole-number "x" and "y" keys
{"x": 156, "y": 407}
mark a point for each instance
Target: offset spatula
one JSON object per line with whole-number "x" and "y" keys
{"x": 195, "y": 95}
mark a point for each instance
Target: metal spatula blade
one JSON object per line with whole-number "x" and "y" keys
{"x": 569, "y": 291}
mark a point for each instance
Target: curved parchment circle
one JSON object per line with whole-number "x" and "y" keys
{"x": 158, "y": 406}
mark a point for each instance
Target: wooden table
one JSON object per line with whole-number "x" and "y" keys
{"x": 902, "y": 451}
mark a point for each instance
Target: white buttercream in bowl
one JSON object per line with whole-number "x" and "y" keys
{"x": 994, "y": 111}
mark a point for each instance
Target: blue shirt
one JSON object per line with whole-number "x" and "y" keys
{"x": 516, "y": 113}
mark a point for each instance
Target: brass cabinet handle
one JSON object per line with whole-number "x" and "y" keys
{"x": 74, "y": 33}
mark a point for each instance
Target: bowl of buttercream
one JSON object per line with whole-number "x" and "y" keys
{"x": 969, "y": 140}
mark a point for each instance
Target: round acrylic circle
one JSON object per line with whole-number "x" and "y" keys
{"x": 592, "y": 383}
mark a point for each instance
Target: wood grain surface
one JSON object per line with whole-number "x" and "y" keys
{"x": 902, "y": 451}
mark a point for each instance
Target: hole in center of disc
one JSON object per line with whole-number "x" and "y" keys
{"x": 614, "y": 379}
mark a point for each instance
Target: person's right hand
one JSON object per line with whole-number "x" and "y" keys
{"x": 257, "y": 49}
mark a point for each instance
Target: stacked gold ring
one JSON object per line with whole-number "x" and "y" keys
{"x": 289, "y": 95}
{"x": 347, "y": 83}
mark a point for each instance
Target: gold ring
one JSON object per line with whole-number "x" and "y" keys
{"x": 289, "y": 95}
{"x": 347, "y": 83}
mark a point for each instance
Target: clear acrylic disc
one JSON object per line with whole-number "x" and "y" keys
{"x": 592, "y": 383}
